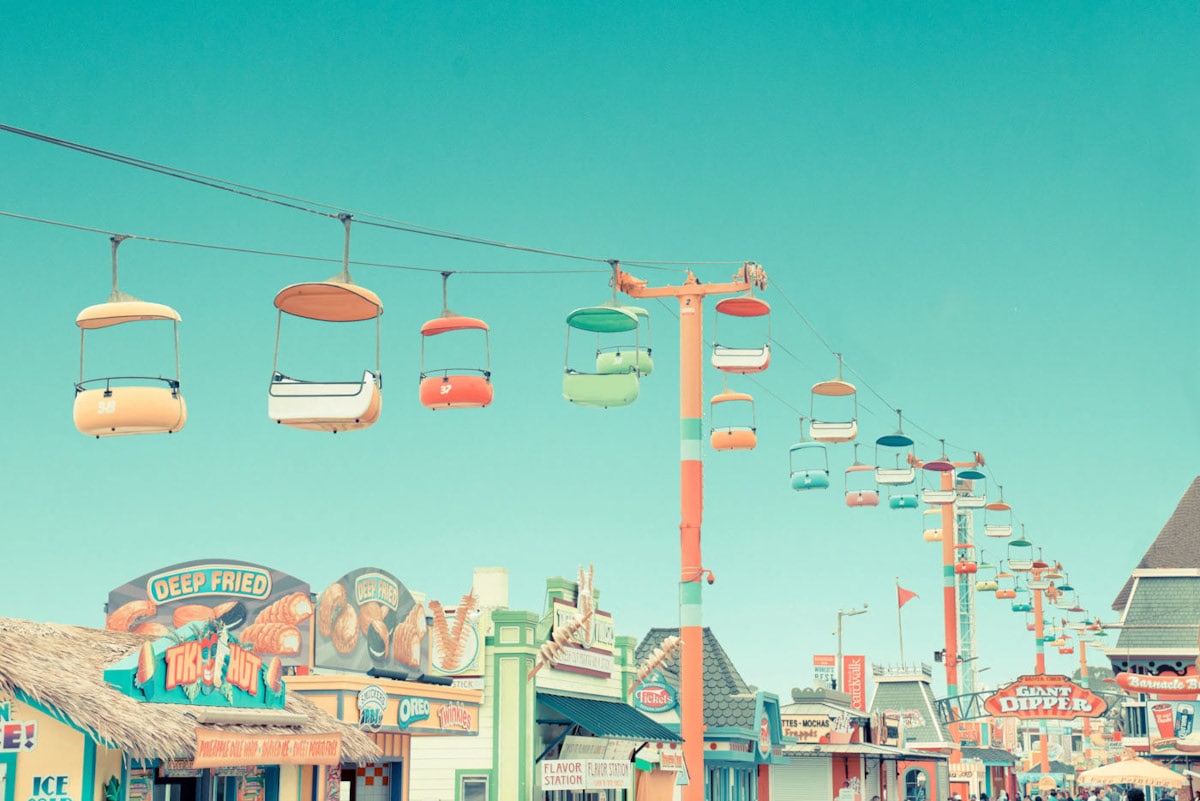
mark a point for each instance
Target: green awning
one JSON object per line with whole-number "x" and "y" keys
{"x": 609, "y": 718}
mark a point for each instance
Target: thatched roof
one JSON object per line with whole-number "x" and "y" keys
{"x": 62, "y": 667}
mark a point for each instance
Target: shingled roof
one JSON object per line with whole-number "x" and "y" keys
{"x": 1175, "y": 546}
{"x": 728, "y": 701}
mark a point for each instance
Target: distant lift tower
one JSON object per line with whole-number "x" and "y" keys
{"x": 965, "y": 593}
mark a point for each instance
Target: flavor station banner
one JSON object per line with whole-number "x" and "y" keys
{"x": 367, "y": 619}
{"x": 267, "y": 609}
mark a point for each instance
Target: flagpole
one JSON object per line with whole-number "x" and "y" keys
{"x": 899, "y": 621}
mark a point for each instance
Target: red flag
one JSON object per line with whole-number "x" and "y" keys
{"x": 904, "y": 596}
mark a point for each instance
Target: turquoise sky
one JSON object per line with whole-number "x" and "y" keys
{"x": 992, "y": 211}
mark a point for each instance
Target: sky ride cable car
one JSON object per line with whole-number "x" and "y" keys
{"x": 603, "y": 385}
{"x": 965, "y": 564}
{"x": 455, "y": 387}
{"x": 739, "y": 435}
{"x": 986, "y": 581}
{"x": 328, "y": 405}
{"x": 842, "y": 413}
{"x": 1006, "y": 582}
{"x": 114, "y": 406}
{"x": 1022, "y": 601}
{"x": 997, "y": 518}
{"x": 1020, "y": 555}
{"x": 931, "y": 483}
{"x": 808, "y": 463}
{"x": 861, "y": 489}
{"x": 741, "y": 359}
{"x": 932, "y": 524}
{"x": 970, "y": 484}
{"x": 895, "y": 442}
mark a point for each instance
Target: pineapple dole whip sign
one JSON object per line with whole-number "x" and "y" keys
{"x": 203, "y": 665}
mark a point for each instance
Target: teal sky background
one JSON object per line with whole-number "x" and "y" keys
{"x": 991, "y": 210}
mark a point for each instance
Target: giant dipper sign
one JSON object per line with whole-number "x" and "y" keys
{"x": 1045, "y": 697}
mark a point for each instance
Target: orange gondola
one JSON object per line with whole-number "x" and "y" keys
{"x": 455, "y": 387}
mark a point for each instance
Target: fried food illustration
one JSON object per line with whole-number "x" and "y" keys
{"x": 272, "y": 638}
{"x": 292, "y": 609}
{"x": 151, "y": 628}
{"x": 329, "y": 607}
{"x": 129, "y": 615}
{"x": 191, "y": 613}
{"x": 369, "y": 613}
{"x": 345, "y": 630}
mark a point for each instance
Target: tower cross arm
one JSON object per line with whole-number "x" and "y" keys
{"x": 749, "y": 276}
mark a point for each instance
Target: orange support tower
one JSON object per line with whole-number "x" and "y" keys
{"x": 949, "y": 536}
{"x": 691, "y": 296}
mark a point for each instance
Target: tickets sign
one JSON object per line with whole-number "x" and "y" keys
{"x": 1036, "y": 697}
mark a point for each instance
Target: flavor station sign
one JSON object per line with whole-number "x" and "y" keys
{"x": 1048, "y": 696}
{"x": 585, "y": 774}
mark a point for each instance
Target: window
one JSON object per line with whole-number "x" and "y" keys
{"x": 916, "y": 785}
{"x": 473, "y": 788}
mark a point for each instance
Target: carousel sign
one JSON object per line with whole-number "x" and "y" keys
{"x": 1045, "y": 697}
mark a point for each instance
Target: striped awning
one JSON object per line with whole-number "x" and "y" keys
{"x": 612, "y": 719}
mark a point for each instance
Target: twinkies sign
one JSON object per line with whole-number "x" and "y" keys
{"x": 1036, "y": 697}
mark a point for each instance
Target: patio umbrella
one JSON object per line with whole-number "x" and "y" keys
{"x": 1133, "y": 771}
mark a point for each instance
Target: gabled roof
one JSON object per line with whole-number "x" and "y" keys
{"x": 1176, "y": 545}
{"x": 1163, "y": 612}
{"x": 62, "y": 668}
{"x": 728, "y": 700}
{"x": 913, "y": 700}
{"x": 988, "y": 756}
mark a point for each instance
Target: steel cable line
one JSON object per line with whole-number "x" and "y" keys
{"x": 299, "y": 256}
{"x": 315, "y": 206}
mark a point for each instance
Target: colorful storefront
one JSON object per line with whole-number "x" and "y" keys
{"x": 836, "y": 751}
{"x": 94, "y": 715}
{"x": 904, "y": 706}
{"x": 365, "y": 651}
{"x": 743, "y": 738}
{"x": 555, "y": 728}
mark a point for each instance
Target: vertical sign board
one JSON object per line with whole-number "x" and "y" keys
{"x": 854, "y": 680}
{"x": 824, "y": 669}
{"x": 264, "y": 608}
{"x": 367, "y": 619}
{"x": 455, "y": 647}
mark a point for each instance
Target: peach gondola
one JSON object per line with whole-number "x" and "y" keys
{"x": 838, "y": 420}
{"x": 997, "y": 518}
{"x": 327, "y": 405}
{"x": 932, "y": 523}
{"x": 738, "y": 435}
{"x": 601, "y": 385}
{"x": 455, "y": 387}
{"x": 112, "y": 406}
{"x": 731, "y": 359}
{"x": 861, "y": 489}
{"x": 808, "y": 463}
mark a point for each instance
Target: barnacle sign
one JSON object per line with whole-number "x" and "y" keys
{"x": 267, "y": 611}
{"x": 1046, "y": 696}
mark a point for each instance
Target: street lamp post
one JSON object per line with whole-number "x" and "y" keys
{"x": 837, "y": 678}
